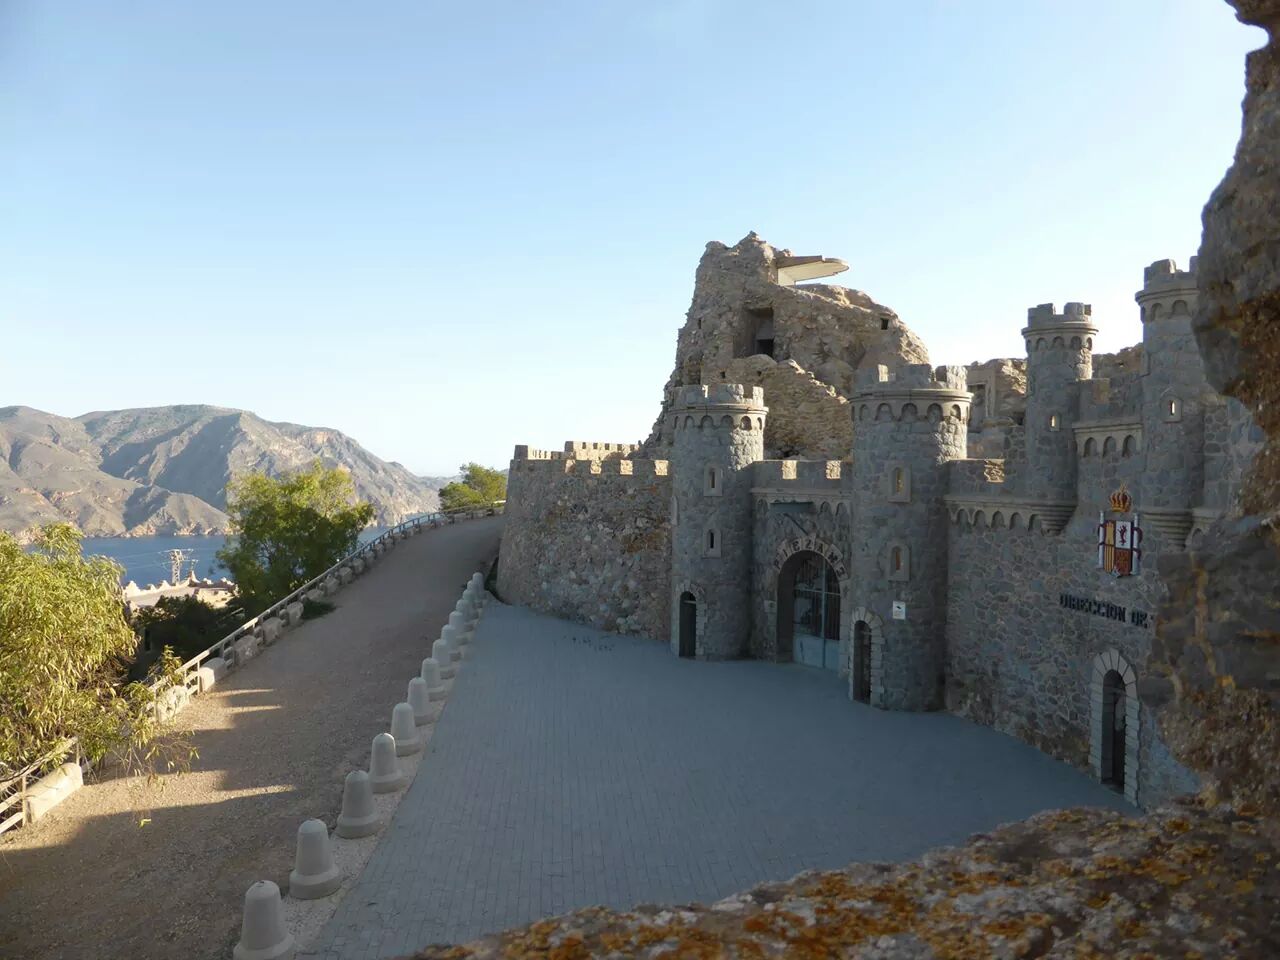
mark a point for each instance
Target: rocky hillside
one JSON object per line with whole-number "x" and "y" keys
{"x": 164, "y": 470}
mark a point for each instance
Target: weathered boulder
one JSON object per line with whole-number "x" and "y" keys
{"x": 52, "y": 789}
{"x": 210, "y": 672}
{"x": 246, "y": 648}
{"x": 171, "y": 701}
{"x": 270, "y": 630}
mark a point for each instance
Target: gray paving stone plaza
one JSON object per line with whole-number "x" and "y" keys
{"x": 573, "y": 767}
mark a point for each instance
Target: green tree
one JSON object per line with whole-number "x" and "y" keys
{"x": 288, "y": 530}
{"x": 479, "y": 487}
{"x": 64, "y": 653}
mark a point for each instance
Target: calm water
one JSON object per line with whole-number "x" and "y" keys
{"x": 146, "y": 559}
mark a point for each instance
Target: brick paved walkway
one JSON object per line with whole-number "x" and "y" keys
{"x": 572, "y": 768}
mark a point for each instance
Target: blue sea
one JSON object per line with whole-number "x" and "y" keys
{"x": 146, "y": 559}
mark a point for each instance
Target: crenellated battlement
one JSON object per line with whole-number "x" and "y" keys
{"x": 577, "y": 450}
{"x": 806, "y": 474}
{"x": 1164, "y": 274}
{"x": 911, "y": 377}
{"x": 525, "y": 452}
{"x": 1048, "y": 330}
{"x": 718, "y": 394}
{"x": 590, "y": 467}
{"x": 1045, "y": 315}
{"x": 598, "y": 450}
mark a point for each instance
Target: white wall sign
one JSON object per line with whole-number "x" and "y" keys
{"x": 899, "y": 610}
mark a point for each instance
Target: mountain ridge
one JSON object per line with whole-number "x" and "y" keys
{"x": 142, "y": 471}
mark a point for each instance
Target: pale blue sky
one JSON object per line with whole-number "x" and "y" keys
{"x": 449, "y": 228}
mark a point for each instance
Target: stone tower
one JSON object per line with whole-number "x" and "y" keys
{"x": 907, "y": 426}
{"x": 1059, "y": 356}
{"x": 1173, "y": 385}
{"x": 718, "y": 433}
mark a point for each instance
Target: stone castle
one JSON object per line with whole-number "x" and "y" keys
{"x": 980, "y": 539}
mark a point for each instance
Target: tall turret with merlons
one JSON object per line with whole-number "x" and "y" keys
{"x": 718, "y": 434}
{"x": 909, "y": 424}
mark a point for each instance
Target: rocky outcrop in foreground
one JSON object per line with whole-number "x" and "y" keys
{"x": 1184, "y": 882}
{"x": 164, "y": 470}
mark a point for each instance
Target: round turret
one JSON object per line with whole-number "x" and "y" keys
{"x": 1173, "y": 393}
{"x": 718, "y": 433}
{"x": 1059, "y": 356}
{"x": 906, "y": 427}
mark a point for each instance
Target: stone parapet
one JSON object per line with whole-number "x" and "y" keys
{"x": 911, "y": 377}
{"x": 975, "y": 476}
{"x": 719, "y": 395}
{"x": 1108, "y": 437}
{"x": 617, "y": 467}
{"x": 1163, "y": 277}
{"x": 806, "y": 474}
{"x": 1013, "y": 513}
{"x": 597, "y": 450}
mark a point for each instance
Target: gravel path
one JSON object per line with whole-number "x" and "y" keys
{"x": 276, "y": 740}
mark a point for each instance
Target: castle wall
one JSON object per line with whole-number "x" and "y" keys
{"x": 1027, "y": 614}
{"x": 589, "y": 540}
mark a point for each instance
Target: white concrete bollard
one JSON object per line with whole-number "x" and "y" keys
{"x": 431, "y": 674}
{"x": 476, "y": 581}
{"x": 461, "y": 631}
{"x": 294, "y": 610}
{"x": 262, "y": 932}
{"x": 385, "y": 775}
{"x": 358, "y": 818}
{"x": 466, "y": 606}
{"x": 454, "y": 639}
{"x": 405, "y": 729}
{"x": 443, "y": 656}
{"x": 419, "y": 698}
{"x": 314, "y": 873}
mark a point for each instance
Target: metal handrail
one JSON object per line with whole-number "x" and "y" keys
{"x": 191, "y": 668}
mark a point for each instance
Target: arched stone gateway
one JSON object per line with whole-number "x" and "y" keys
{"x": 809, "y": 610}
{"x": 1113, "y": 744}
{"x": 866, "y": 651}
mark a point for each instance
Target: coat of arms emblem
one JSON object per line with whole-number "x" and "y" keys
{"x": 1120, "y": 537}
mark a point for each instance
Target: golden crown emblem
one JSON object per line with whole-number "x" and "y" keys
{"x": 1121, "y": 502}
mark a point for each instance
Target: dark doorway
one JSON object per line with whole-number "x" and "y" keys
{"x": 862, "y": 662}
{"x": 1113, "y": 730}
{"x": 760, "y": 330}
{"x": 688, "y": 625}
{"x": 809, "y": 611}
